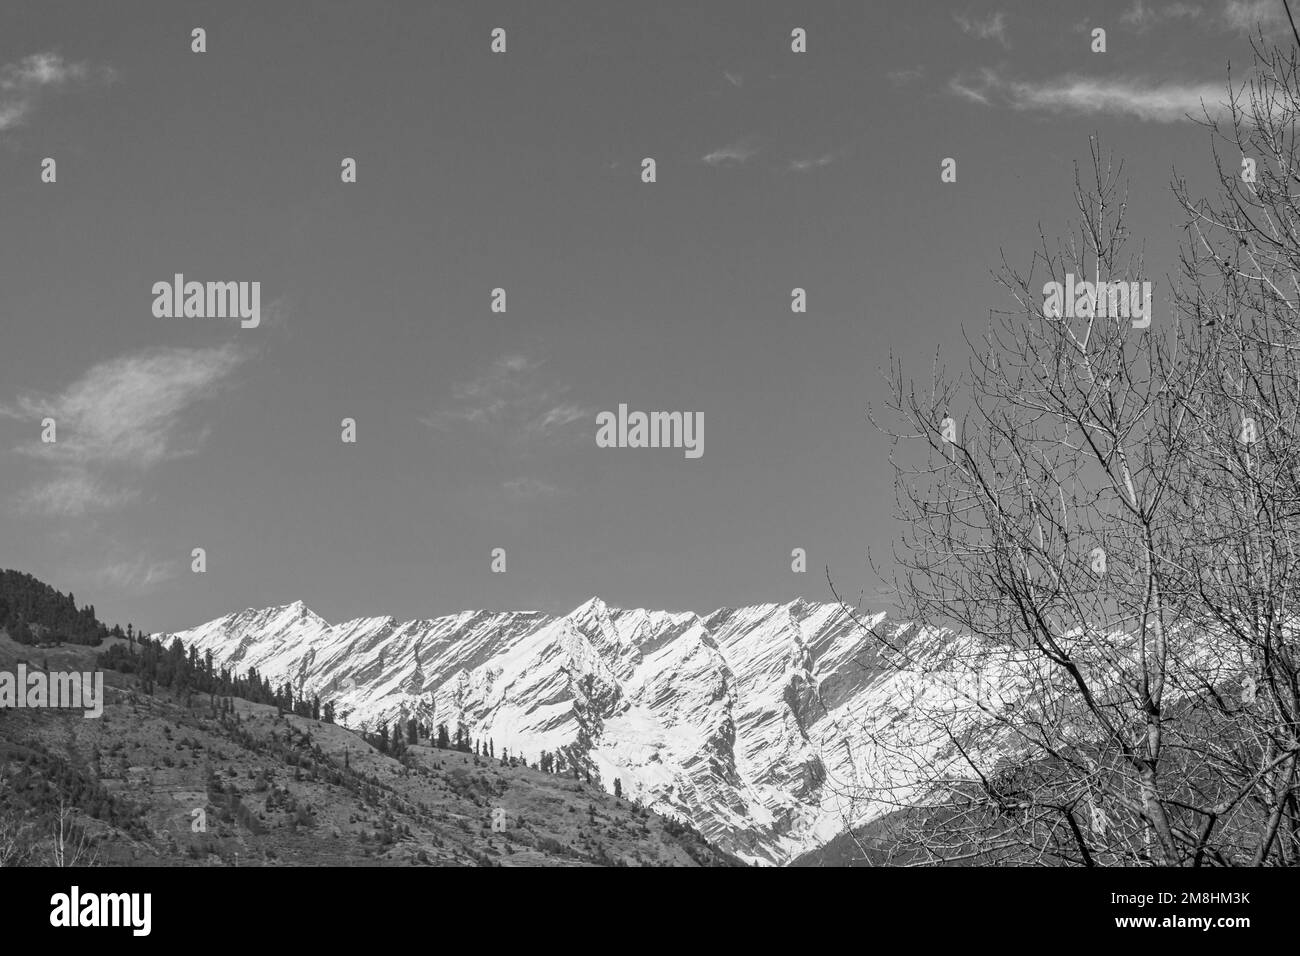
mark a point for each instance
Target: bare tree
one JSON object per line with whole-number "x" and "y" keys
{"x": 1099, "y": 551}
{"x": 69, "y": 843}
{"x": 1241, "y": 294}
{"x": 15, "y": 833}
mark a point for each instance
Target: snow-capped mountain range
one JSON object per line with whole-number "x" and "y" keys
{"x": 759, "y": 724}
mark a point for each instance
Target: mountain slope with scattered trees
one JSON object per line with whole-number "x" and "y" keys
{"x": 193, "y": 765}
{"x": 32, "y": 612}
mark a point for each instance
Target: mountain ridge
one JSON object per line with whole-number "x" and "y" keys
{"x": 741, "y": 721}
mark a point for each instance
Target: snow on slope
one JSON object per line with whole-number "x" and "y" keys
{"x": 757, "y": 724}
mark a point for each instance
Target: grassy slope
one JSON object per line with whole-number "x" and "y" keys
{"x": 156, "y": 758}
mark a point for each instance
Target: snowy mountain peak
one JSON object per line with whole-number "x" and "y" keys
{"x": 280, "y": 612}
{"x": 593, "y": 605}
{"x": 735, "y": 720}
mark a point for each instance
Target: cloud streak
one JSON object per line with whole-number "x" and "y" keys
{"x": 811, "y": 163}
{"x": 734, "y": 155}
{"x": 1144, "y": 14}
{"x": 24, "y": 82}
{"x": 121, "y": 419}
{"x": 139, "y": 574}
{"x": 991, "y": 27}
{"x": 510, "y": 400}
{"x": 1164, "y": 101}
{"x": 1247, "y": 16}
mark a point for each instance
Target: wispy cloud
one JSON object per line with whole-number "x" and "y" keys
{"x": 24, "y": 82}
{"x": 811, "y": 163}
{"x": 511, "y": 400}
{"x": 139, "y": 573}
{"x": 735, "y": 154}
{"x": 121, "y": 419}
{"x": 1240, "y": 16}
{"x": 1157, "y": 101}
{"x": 1248, "y": 16}
{"x": 1145, "y": 14}
{"x": 71, "y": 492}
{"x": 991, "y": 27}
{"x": 973, "y": 89}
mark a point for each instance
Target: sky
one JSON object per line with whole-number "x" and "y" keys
{"x": 522, "y": 170}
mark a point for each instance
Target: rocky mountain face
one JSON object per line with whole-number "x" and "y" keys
{"x": 760, "y": 725}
